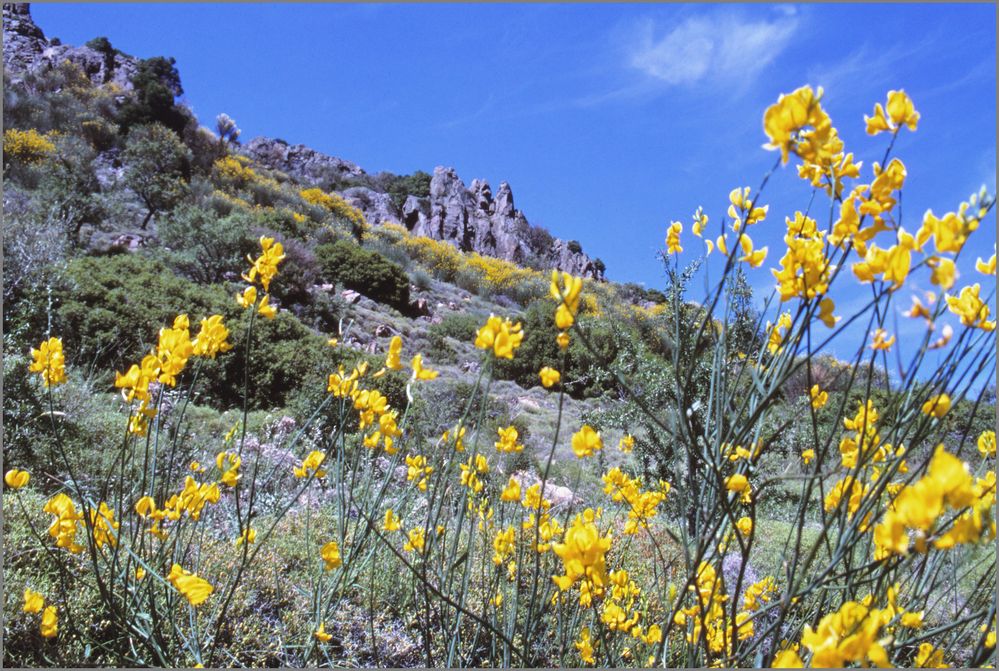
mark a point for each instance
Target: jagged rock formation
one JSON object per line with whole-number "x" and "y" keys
{"x": 303, "y": 163}
{"x": 473, "y": 219}
{"x": 470, "y": 218}
{"x": 26, "y": 49}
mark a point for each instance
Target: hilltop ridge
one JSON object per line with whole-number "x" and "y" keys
{"x": 470, "y": 218}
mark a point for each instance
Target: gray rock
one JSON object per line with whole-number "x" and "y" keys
{"x": 25, "y": 49}
{"x": 376, "y": 207}
{"x": 473, "y": 220}
{"x": 300, "y": 162}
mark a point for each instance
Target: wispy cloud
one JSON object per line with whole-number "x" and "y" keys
{"x": 723, "y": 48}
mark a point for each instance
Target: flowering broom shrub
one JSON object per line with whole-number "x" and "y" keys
{"x": 489, "y": 568}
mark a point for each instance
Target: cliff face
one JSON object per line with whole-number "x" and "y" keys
{"x": 471, "y": 218}
{"x": 26, "y": 49}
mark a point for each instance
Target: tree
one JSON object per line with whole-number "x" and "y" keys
{"x": 156, "y": 84}
{"x": 157, "y": 168}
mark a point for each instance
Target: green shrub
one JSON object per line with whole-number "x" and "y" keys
{"x": 157, "y": 168}
{"x": 364, "y": 271}
{"x": 584, "y": 375}
{"x": 204, "y": 246}
{"x": 111, "y": 309}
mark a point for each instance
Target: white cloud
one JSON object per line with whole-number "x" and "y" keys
{"x": 723, "y": 48}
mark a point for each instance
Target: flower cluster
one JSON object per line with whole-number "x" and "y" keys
{"x": 49, "y": 362}
{"x": 917, "y": 508}
{"x": 642, "y": 505}
{"x": 499, "y": 335}
{"x": 262, "y": 270}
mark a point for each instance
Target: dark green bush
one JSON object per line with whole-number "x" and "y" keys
{"x": 156, "y": 85}
{"x": 110, "y": 310}
{"x": 364, "y": 271}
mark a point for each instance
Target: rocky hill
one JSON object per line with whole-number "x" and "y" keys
{"x": 471, "y": 218}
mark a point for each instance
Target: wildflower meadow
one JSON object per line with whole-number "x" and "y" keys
{"x": 882, "y": 554}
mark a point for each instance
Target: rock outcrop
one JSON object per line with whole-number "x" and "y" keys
{"x": 303, "y": 163}
{"x": 473, "y": 219}
{"x": 470, "y": 218}
{"x": 26, "y": 49}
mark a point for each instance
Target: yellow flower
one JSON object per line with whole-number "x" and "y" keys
{"x": 64, "y": 524}
{"x": 248, "y": 536}
{"x": 937, "y": 406}
{"x": 912, "y": 620}
{"x": 212, "y": 338}
{"x": 33, "y": 601}
{"x": 321, "y": 634}
{"x": 499, "y": 335}
{"x": 986, "y": 267}
{"x": 901, "y": 112}
{"x": 508, "y": 440}
{"x": 248, "y": 298}
{"x": 700, "y": 222}
{"x": 16, "y": 479}
{"x": 972, "y": 310}
{"x": 745, "y": 525}
{"x": 819, "y": 397}
{"x": 807, "y": 455}
{"x": 48, "y": 361}
{"x": 419, "y": 372}
{"x": 417, "y": 469}
{"x": 196, "y": 589}
{"x": 881, "y": 340}
{"x": 737, "y": 483}
{"x": 391, "y": 521}
{"x": 627, "y": 443}
{"x": 565, "y": 289}
{"x": 943, "y": 273}
{"x": 918, "y": 309}
{"x": 549, "y": 376}
{"x": 929, "y": 657}
{"x": 504, "y": 545}
{"x": 512, "y": 491}
{"x": 754, "y": 258}
{"x": 140, "y": 573}
{"x": 392, "y": 359}
{"x": 265, "y": 308}
{"x": 791, "y": 113}
{"x": 562, "y": 339}
{"x": 987, "y": 443}
{"x": 228, "y": 463}
{"x": 586, "y": 441}
{"x": 331, "y": 555}
{"x": 585, "y": 646}
{"x": 416, "y": 541}
{"x": 673, "y": 238}
{"x": 496, "y": 600}
{"x": 311, "y": 464}
{"x": 103, "y": 524}
{"x": 788, "y": 659}
{"x": 849, "y": 635}
{"x": 583, "y": 552}
{"x": 265, "y": 266}
{"x": 50, "y": 622}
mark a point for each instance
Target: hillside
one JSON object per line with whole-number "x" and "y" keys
{"x": 199, "y": 222}
{"x": 263, "y": 407}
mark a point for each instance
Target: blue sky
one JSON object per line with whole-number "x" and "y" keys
{"x": 608, "y": 121}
